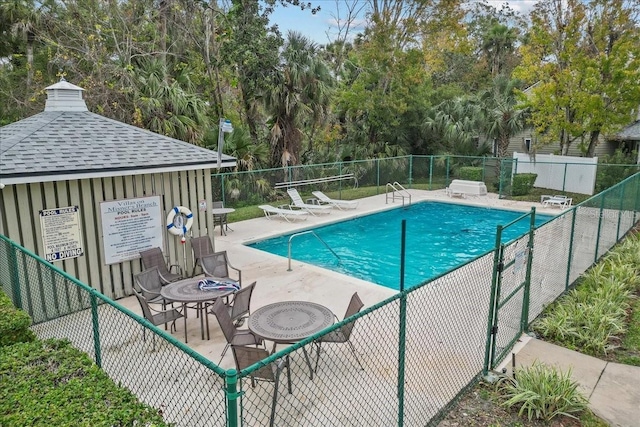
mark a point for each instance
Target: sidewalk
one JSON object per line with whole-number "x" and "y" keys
{"x": 613, "y": 389}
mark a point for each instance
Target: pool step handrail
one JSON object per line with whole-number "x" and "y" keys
{"x": 317, "y": 237}
{"x": 397, "y": 189}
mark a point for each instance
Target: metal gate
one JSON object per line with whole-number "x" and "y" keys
{"x": 509, "y": 303}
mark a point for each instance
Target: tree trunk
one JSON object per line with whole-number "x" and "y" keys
{"x": 593, "y": 142}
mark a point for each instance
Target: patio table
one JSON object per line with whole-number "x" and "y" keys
{"x": 187, "y": 292}
{"x": 288, "y": 322}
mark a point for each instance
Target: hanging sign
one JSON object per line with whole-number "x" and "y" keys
{"x": 130, "y": 226}
{"x": 61, "y": 233}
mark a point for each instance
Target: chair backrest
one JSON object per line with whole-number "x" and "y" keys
{"x": 321, "y": 196}
{"x": 201, "y": 246}
{"x": 242, "y": 301}
{"x": 146, "y": 311}
{"x": 219, "y": 309}
{"x": 154, "y": 258}
{"x": 217, "y": 205}
{"x": 149, "y": 282}
{"x": 295, "y": 196}
{"x": 247, "y": 356}
{"x": 355, "y": 305}
{"x": 215, "y": 264}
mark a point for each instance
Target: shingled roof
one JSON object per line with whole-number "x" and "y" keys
{"x": 630, "y": 133}
{"x": 66, "y": 141}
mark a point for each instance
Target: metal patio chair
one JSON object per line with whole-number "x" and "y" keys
{"x": 240, "y": 306}
{"x": 157, "y": 317}
{"x": 149, "y": 284}
{"x": 201, "y": 246}
{"x": 217, "y": 265}
{"x": 247, "y": 356}
{"x": 154, "y": 258}
{"x": 342, "y": 334}
{"x": 232, "y": 334}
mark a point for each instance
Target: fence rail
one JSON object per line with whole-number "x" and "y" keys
{"x": 420, "y": 349}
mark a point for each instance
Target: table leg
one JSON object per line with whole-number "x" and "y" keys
{"x": 306, "y": 356}
{"x": 199, "y": 310}
{"x": 184, "y": 310}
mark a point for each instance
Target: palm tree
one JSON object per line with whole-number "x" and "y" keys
{"x": 501, "y": 115}
{"x": 168, "y": 107}
{"x": 499, "y": 41}
{"x": 299, "y": 96}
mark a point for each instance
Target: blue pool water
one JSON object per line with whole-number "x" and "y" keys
{"x": 439, "y": 236}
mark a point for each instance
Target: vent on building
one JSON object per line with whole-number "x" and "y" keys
{"x": 63, "y": 96}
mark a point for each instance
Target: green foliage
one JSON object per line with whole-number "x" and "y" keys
{"x": 542, "y": 392}
{"x": 50, "y": 383}
{"x": 14, "y": 323}
{"x": 523, "y": 183}
{"x": 614, "y": 169}
{"x": 470, "y": 173}
{"x": 592, "y": 316}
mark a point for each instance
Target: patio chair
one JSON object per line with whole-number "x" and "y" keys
{"x": 201, "y": 246}
{"x": 149, "y": 284}
{"x": 240, "y": 306}
{"x": 154, "y": 258}
{"x": 342, "y": 334}
{"x": 287, "y": 214}
{"x": 220, "y": 220}
{"x": 217, "y": 265}
{"x": 157, "y": 317}
{"x": 248, "y": 356}
{"x": 232, "y": 334}
{"x": 300, "y": 204}
{"x": 336, "y": 203}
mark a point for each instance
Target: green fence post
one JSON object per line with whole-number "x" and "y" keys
{"x": 524, "y": 322}
{"x": 430, "y": 173}
{"x": 15, "y": 277}
{"x": 564, "y": 178}
{"x": 403, "y": 328}
{"x": 224, "y": 202}
{"x": 500, "y": 173}
{"x": 446, "y": 182}
{"x": 497, "y": 268}
{"x": 410, "y": 170}
{"x": 484, "y": 164}
{"x": 620, "y": 209}
{"x": 573, "y": 229}
{"x": 595, "y": 256}
{"x": 231, "y": 389}
{"x": 96, "y": 329}
{"x": 377, "y": 176}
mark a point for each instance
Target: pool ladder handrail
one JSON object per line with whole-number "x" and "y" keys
{"x": 396, "y": 188}
{"x": 317, "y": 237}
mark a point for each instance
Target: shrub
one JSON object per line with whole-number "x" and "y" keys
{"x": 523, "y": 183}
{"x": 470, "y": 173}
{"x": 614, "y": 169}
{"x": 14, "y": 323}
{"x": 50, "y": 383}
{"x": 543, "y": 392}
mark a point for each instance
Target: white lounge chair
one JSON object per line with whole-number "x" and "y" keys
{"x": 336, "y": 203}
{"x": 312, "y": 209}
{"x": 286, "y": 214}
{"x": 561, "y": 201}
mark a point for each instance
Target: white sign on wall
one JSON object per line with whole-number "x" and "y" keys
{"x": 130, "y": 226}
{"x": 61, "y": 233}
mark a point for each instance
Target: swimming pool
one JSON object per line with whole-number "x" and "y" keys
{"x": 439, "y": 236}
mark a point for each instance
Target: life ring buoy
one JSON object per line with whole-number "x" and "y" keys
{"x": 176, "y": 224}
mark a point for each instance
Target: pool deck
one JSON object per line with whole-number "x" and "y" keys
{"x": 306, "y": 282}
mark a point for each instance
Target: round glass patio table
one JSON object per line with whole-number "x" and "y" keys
{"x": 187, "y": 292}
{"x": 287, "y": 322}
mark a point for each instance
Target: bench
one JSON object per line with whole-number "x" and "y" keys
{"x": 462, "y": 188}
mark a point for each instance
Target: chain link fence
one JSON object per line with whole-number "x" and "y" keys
{"x": 416, "y": 351}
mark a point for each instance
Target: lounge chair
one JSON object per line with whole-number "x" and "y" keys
{"x": 300, "y": 204}
{"x": 287, "y": 214}
{"x": 561, "y": 201}
{"x": 336, "y": 203}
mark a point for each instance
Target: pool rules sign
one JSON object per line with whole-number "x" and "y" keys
{"x": 61, "y": 233}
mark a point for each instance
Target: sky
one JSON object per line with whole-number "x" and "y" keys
{"x": 322, "y": 27}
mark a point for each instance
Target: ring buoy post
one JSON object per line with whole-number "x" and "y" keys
{"x": 179, "y": 221}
